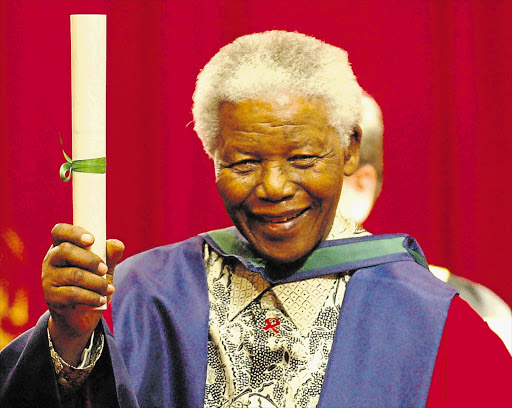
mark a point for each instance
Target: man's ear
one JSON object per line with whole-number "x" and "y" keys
{"x": 352, "y": 151}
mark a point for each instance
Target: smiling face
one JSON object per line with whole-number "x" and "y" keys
{"x": 280, "y": 169}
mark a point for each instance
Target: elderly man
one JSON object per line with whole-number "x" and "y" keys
{"x": 289, "y": 308}
{"x": 360, "y": 191}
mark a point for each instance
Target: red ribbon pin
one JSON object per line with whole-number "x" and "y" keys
{"x": 272, "y": 323}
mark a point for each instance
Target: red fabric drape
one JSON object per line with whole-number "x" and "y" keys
{"x": 439, "y": 69}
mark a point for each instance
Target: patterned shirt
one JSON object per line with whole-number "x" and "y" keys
{"x": 269, "y": 345}
{"x": 70, "y": 378}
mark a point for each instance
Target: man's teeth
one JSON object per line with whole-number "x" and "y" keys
{"x": 282, "y": 219}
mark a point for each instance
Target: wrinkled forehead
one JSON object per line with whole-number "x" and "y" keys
{"x": 261, "y": 126}
{"x": 287, "y": 108}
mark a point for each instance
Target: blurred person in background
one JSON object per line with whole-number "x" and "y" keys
{"x": 359, "y": 194}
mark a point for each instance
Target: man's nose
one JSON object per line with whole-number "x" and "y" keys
{"x": 275, "y": 184}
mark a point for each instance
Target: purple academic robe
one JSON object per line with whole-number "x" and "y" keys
{"x": 383, "y": 353}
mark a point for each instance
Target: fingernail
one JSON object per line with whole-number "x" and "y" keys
{"x": 103, "y": 300}
{"x": 87, "y": 238}
{"x": 102, "y": 268}
{"x": 110, "y": 289}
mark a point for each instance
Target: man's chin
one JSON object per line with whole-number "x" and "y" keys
{"x": 281, "y": 252}
{"x": 279, "y": 249}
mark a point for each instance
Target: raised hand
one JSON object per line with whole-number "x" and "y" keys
{"x": 74, "y": 286}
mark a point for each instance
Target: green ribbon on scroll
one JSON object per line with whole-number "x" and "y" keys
{"x": 96, "y": 166}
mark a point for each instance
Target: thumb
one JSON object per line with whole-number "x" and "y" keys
{"x": 115, "y": 249}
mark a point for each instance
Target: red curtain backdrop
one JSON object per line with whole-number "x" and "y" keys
{"x": 441, "y": 71}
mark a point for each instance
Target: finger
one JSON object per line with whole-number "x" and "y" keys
{"x": 71, "y": 233}
{"x": 115, "y": 249}
{"x": 83, "y": 279}
{"x": 68, "y": 254}
{"x": 71, "y": 296}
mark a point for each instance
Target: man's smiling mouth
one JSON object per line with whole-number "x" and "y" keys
{"x": 281, "y": 218}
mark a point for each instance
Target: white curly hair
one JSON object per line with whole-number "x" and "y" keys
{"x": 263, "y": 66}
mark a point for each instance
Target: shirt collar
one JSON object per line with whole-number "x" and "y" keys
{"x": 348, "y": 249}
{"x": 301, "y": 299}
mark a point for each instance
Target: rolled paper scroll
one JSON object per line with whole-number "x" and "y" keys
{"x": 88, "y": 91}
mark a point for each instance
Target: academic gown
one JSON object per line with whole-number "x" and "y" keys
{"x": 394, "y": 345}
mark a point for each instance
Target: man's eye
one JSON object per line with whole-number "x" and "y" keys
{"x": 244, "y": 166}
{"x": 303, "y": 161}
